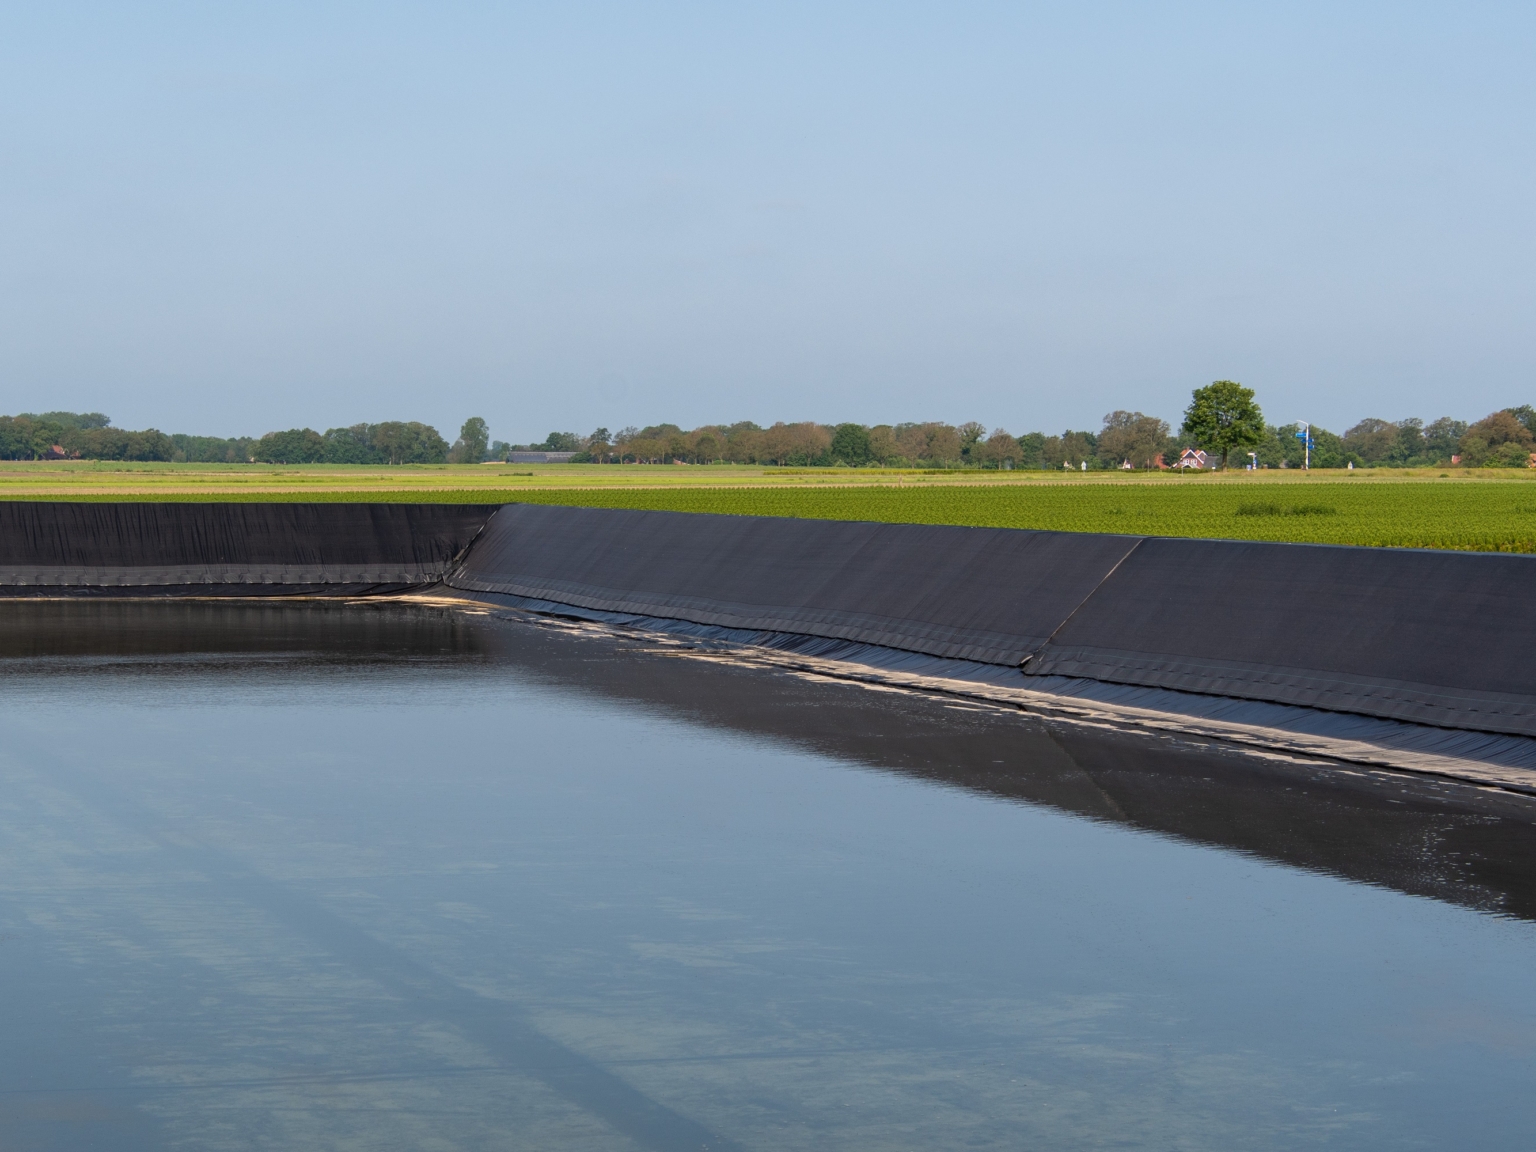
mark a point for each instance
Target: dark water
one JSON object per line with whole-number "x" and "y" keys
{"x": 376, "y": 878}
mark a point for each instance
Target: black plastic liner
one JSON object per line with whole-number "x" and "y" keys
{"x": 229, "y": 549}
{"x": 1438, "y": 639}
{"x": 1445, "y": 638}
{"x": 1442, "y": 639}
{"x": 1497, "y": 749}
{"x": 985, "y": 594}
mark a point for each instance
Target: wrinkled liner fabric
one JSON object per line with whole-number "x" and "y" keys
{"x": 1444, "y": 638}
{"x": 1433, "y": 638}
{"x": 144, "y": 577}
{"x": 1401, "y": 700}
{"x": 102, "y": 549}
{"x": 984, "y": 594}
{"x": 1484, "y": 747}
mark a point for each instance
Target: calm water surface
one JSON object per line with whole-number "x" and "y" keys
{"x": 377, "y": 878}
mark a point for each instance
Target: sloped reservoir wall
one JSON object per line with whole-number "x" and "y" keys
{"x": 229, "y": 549}
{"x": 1441, "y": 638}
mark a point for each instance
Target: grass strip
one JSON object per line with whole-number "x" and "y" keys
{"x": 1468, "y": 516}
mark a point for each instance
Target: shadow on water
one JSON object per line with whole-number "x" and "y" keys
{"x": 1465, "y": 845}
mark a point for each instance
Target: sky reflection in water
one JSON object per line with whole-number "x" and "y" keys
{"x": 395, "y": 878}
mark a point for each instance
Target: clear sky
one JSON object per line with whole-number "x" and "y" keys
{"x": 230, "y": 218}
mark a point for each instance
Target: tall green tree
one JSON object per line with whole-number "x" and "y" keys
{"x": 295, "y": 446}
{"x": 351, "y": 445}
{"x": 407, "y": 442}
{"x": 971, "y": 436}
{"x": 1032, "y": 450}
{"x": 473, "y": 443}
{"x": 1223, "y": 417}
{"x": 850, "y": 444}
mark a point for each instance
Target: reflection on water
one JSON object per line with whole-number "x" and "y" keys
{"x": 375, "y": 876}
{"x": 319, "y": 629}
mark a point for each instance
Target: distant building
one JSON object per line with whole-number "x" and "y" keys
{"x": 539, "y": 457}
{"x": 1193, "y": 458}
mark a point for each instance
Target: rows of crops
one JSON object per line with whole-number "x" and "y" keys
{"x": 1479, "y": 516}
{"x": 1491, "y": 517}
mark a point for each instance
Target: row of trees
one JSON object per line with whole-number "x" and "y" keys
{"x": 1223, "y": 418}
{"x": 34, "y": 436}
{"x": 391, "y": 442}
{"x": 1131, "y": 436}
{"x": 90, "y": 436}
{"x": 805, "y": 444}
{"x": 1502, "y": 439}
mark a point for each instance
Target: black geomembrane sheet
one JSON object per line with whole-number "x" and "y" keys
{"x": 1439, "y": 638}
{"x": 986, "y": 594}
{"x": 70, "y": 548}
{"x": 1431, "y": 638}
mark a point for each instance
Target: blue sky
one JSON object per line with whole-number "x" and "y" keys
{"x": 234, "y": 218}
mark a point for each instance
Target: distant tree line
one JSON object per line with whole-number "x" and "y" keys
{"x": 90, "y": 436}
{"x": 392, "y": 442}
{"x": 1223, "y": 419}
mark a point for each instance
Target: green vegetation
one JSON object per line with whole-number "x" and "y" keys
{"x": 1223, "y": 417}
{"x": 1269, "y": 508}
{"x": 473, "y": 444}
{"x": 1481, "y": 517}
{"x": 64, "y": 435}
{"x": 391, "y": 442}
{"x": 89, "y": 436}
{"x": 1494, "y": 511}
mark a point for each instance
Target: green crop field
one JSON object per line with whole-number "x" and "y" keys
{"x": 1485, "y": 517}
{"x": 1483, "y": 510}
